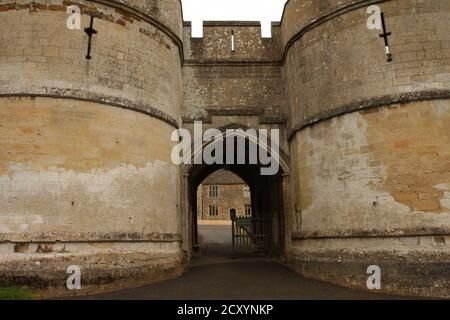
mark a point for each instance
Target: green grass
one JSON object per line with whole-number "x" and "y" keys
{"x": 15, "y": 294}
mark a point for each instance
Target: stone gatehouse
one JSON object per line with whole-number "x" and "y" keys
{"x": 86, "y": 176}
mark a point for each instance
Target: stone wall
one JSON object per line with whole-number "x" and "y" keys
{"x": 85, "y": 167}
{"x": 390, "y": 164}
{"x": 219, "y": 81}
{"x": 73, "y": 167}
{"x": 133, "y": 63}
{"x": 339, "y": 66}
{"x": 368, "y": 143}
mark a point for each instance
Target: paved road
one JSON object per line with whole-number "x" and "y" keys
{"x": 218, "y": 277}
{"x": 215, "y": 242}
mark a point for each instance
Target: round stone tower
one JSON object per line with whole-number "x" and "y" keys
{"x": 86, "y": 119}
{"x": 370, "y": 142}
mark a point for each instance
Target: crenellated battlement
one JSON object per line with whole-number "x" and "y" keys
{"x": 232, "y": 42}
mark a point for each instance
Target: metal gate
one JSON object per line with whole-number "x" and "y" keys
{"x": 251, "y": 235}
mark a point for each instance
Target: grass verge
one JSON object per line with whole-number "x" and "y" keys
{"x": 15, "y": 294}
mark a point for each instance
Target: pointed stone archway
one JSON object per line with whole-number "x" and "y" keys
{"x": 269, "y": 193}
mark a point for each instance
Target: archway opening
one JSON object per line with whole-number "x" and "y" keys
{"x": 256, "y": 229}
{"x": 222, "y": 199}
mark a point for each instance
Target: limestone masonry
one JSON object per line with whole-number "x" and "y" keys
{"x": 86, "y": 176}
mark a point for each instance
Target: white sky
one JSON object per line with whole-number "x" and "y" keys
{"x": 229, "y": 10}
{"x": 266, "y": 11}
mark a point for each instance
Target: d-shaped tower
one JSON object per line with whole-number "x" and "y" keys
{"x": 369, "y": 141}
{"x": 86, "y": 176}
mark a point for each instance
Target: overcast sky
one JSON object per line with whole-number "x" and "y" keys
{"x": 265, "y": 11}
{"x": 228, "y": 10}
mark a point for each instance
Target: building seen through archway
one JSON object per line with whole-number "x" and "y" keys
{"x": 253, "y": 202}
{"x": 222, "y": 195}
{"x": 222, "y": 198}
